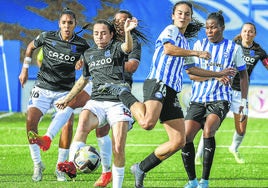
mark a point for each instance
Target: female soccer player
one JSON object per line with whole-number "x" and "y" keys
{"x": 61, "y": 49}
{"x": 252, "y": 54}
{"x": 211, "y": 98}
{"x": 103, "y": 108}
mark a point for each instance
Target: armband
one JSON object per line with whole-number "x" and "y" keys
{"x": 265, "y": 61}
{"x": 244, "y": 102}
{"x": 28, "y": 60}
{"x": 25, "y": 65}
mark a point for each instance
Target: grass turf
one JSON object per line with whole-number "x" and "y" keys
{"x": 16, "y": 167}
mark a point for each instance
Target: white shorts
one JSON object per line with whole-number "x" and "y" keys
{"x": 236, "y": 101}
{"x": 88, "y": 88}
{"x": 44, "y": 99}
{"x": 109, "y": 112}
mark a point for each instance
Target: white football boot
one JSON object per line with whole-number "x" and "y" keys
{"x": 38, "y": 172}
{"x": 60, "y": 175}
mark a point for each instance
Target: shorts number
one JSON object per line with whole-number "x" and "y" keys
{"x": 34, "y": 94}
{"x": 163, "y": 89}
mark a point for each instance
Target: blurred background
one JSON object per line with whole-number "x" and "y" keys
{"x": 22, "y": 20}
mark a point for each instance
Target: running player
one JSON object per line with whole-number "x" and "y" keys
{"x": 62, "y": 49}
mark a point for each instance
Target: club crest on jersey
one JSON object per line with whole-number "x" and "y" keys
{"x": 53, "y": 43}
{"x": 107, "y": 53}
{"x": 252, "y": 53}
{"x": 226, "y": 54}
{"x": 73, "y": 48}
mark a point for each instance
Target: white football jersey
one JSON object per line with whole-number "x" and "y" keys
{"x": 168, "y": 68}
{"x": 224, "y": 54}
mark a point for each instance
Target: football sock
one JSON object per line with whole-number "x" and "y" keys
{"x": 75, "y": 146}
{"x": 61, "y": 117}
{"x": 209, "y": 149}
{"x": 237, "y": 140}
{"x": 35, "y": 153}
{"x": 199, "y": 151}
{"x": 149, "y": 162}
{"x": 118, "y": 176}
{"x": 105, "y": 145}
{"x": 188, "y": 155}
{"x": 127, "y": 98}
{"x": 62, "y": 154}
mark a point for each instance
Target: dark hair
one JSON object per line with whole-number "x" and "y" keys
{"x": 218, "y": 17}
{"x": 66, "y": 10}
{"x": 140, "y": 35}
{"x": 238, "y": 37}
{"x": 107, "y": 23}
{"x": 183, "y": 2}
{"x": 250, "y": 23}
{"x": 193, "y": 27}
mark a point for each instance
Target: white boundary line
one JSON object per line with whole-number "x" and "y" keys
{"x": 135, "y": 145}
{"x": 6, "y": 115}
{"x": 158, "y": 130}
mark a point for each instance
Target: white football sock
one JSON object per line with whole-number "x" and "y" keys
{"x": 118, "y": 176}
{"x": 105, "y": 145}
{"x": 35, "y": 153}
{"x": 62, "y": 154}
{"x": 199, "y": 151}
{"x": 237, "y": 140}
{"x": 58, "y": 121}
{"x": 75, "y": 146}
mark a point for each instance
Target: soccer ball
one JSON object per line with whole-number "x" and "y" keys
{"x": 87, "y": 159}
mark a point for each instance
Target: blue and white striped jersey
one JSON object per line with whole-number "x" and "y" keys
{"x": 224, "y": 54}
{"x": 168, "y": 68}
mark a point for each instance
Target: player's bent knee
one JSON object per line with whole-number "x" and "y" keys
{"x": 178, "y": 145}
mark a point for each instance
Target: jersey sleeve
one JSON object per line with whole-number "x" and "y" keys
{"x": 169, "y": 34}
{"x": 85, "y": 72}
{"x": 192, "y": 61}
{"x": 136, "y": 52}
{"x": 39, "y": 40}
{"x": 239, "y": 60}
{"x": 263, "y": 57}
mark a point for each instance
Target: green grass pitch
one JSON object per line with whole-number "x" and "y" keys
{"x": 16, "y": 167}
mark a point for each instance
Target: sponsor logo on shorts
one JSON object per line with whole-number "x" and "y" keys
{"x": 158, "y": 95}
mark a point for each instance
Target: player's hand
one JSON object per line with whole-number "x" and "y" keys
{"x": 130, "y": 24}
{"x": 61, "y": 104}
{"x": 225, "y": 80}
{"x": 243, "y": 109}
{"x": 23, "y": 77}
{"x": 204, "y": 55}
{"x": 228, "y": 72}
{"x": 79, "y": 64}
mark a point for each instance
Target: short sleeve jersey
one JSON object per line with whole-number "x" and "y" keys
{"x": 104, "y": 66}
{"x": 57, "y": 72}
{"x": 251, "y": 56}
{"x": 224, "y": 54}
{"x": 168, "y": 68}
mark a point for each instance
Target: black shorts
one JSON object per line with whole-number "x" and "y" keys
{"x": 199, "y": 111}
{"x": 157, "y": 90}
